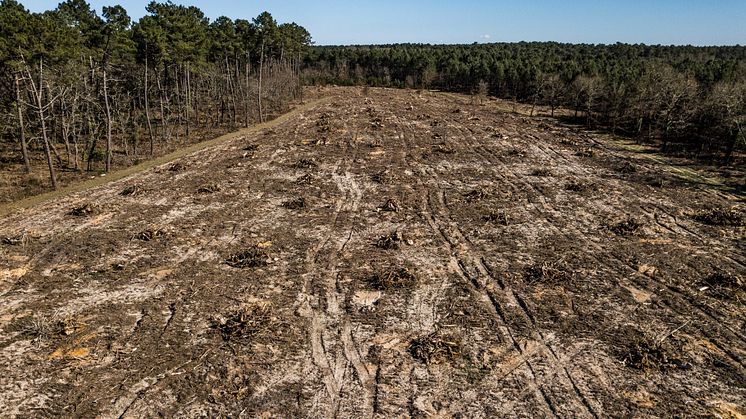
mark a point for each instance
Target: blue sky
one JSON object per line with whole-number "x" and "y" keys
{"x": 704, "y": 22}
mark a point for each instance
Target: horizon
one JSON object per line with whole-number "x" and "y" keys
{"x": 336, "y": 23}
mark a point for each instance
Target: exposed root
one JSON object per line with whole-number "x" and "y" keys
{"x": 443, "y": 149}
{"x": 643, "y": 352}
{"x": 476, "y": 195}
{"x": 250, "y": 258}
{"x": 626, "y": 227}
{"x": 132, "y": 190}
{"x": 390, "y": 206}
{"x": 435, "y": 349}
{"x": 391, "y": 241}
{"x": 305, "y": 164}
{"x": 383, "y": 177}
{"x": 208, "y": 189}
{"x": 149, "y": 235}
{"x": 305, "y": 179}
{"x": 721, "y": 217}
{"x": 14, "y": 241}
{"x": 392, "y": 279}
{"x": 295, "y": 204}
{"x": 177, "y": 167}
{"x": 547, "y": 273}
{"x": 499, "y": 217}
{"x": 83, "y": 211}
{"x": 541, "y": 172}
{"x": 578, "y": 186}
{"x": 245, "y": 323}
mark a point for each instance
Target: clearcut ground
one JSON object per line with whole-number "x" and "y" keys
{"x": 398, "y": 254}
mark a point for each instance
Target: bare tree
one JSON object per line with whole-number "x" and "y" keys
{"x": 41, "y": 107}
{"x": 19, "y": 108}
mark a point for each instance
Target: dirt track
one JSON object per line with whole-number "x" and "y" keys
{"x": 535, "y": 273}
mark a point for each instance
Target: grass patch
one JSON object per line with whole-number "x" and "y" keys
{"x": 121, "y": 174}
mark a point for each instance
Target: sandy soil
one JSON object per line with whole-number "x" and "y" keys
{"x": 402, "y": 254}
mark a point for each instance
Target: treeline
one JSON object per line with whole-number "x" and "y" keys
{"x": 690, "y": 97}
{"x": 82, "y": 88}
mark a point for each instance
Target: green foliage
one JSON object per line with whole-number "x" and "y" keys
{"x": 681, "y": 94}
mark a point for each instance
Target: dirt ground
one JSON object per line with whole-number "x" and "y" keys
{"x": 403, "y": 254}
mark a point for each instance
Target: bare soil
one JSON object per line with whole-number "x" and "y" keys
{"x": 377, "y": 256}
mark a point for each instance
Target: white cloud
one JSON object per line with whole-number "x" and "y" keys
{"x": 485, "y": 36}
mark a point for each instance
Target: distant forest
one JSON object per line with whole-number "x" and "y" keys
{"x": 82, "y": 91}
{"x": 681, "y": 97}
{"x": 86, "y": 91}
